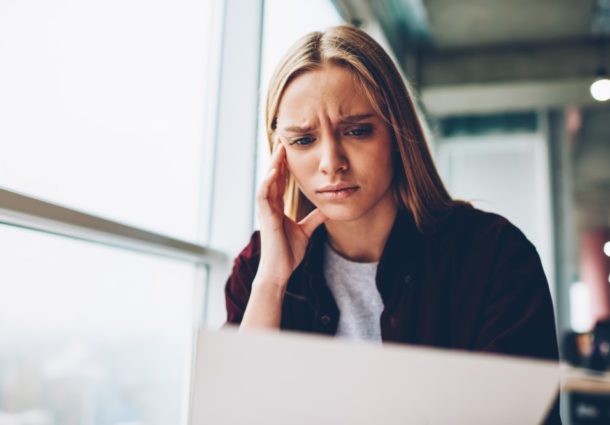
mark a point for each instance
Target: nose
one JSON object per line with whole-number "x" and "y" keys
{"x": 332, "y": 157}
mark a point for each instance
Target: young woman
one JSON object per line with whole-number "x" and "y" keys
{"x": 358, "y": 235}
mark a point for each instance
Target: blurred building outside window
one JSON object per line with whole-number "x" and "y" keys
{"x": 104, "y": 110}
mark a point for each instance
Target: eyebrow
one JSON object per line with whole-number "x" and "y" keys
{"x": 350, "y": 119}
{"x": 357, "y": 118}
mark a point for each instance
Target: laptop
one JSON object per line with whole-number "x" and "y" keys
{"x": 283, "y": 378}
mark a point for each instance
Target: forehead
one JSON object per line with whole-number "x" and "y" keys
{"x": 330, "y": 90}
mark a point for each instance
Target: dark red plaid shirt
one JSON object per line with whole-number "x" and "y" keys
{"x": 474, "y": 282}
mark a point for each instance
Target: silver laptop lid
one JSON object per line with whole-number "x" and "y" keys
{"x": 285, "y": 378}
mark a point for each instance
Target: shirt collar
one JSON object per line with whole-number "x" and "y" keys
{"x": 404, "y": 239}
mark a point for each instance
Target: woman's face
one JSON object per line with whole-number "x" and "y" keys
{"x": 335, "y": 140}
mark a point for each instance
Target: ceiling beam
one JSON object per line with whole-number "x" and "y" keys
{"x": 508, "y": 64}
{"x": 462, "y": 99}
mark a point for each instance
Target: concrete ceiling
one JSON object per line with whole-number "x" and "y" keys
{"x": 476, "y": 23}
{"x": 448, "y": 43}
{"x": 496, "y": 41}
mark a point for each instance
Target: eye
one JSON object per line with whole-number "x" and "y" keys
{"x": 303, "y": 141}
{"x": 362, "y": 131}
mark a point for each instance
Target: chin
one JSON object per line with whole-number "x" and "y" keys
{"x": 340, "y": 212}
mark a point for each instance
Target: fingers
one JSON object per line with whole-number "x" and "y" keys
{"x": 281, "y": 179}
{"x": 264, "y": 191}
{"x": 277, "y": 155}
{"x": 312, "y": 221}
{"x": 270, "y": 195}
{"x": 276, "y": 190}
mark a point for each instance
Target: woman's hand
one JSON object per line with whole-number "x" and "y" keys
{"x": 283, "y": 241}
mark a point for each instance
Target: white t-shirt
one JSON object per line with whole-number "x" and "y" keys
{"x": 355, "y": 291}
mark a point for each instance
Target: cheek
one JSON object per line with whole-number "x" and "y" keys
{"x": 386, "y": 153}
{"x": 294, "y": 167}
{"x": 382, "y": 162}
{"x": 378, "y": 155}
{"x": 297, "y": 164}
{"x": 303, "y": 169}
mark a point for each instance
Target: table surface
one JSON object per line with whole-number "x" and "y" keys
{"x": 574, "y": 379}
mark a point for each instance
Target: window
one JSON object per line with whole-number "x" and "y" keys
{"x": 93, "y": 334}
{"x": 105, "y": 115}
{"x": 102, "y": 106}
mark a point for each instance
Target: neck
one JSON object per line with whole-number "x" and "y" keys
{"x": 363, "y": 239}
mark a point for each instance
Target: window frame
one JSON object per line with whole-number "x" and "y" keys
{"x": 226, "y": 220}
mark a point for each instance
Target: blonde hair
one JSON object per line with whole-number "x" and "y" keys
{"x": 417, "y": 184}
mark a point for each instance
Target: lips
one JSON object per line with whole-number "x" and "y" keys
{"x": 338, "y": 191}
{"x": 337, "y": 187}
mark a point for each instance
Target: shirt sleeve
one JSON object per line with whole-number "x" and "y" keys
{"x": 517, "y": 317}
{"x": 239, "y": 283}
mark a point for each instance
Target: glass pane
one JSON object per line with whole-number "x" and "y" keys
{"x": 285, "y": 21}
{"x": 93, "y": 335}
{"x": 102, "y": 106}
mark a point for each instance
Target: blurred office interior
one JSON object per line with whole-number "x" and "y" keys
{"x": 131, "y": 144}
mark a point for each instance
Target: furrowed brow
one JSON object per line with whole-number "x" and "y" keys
{"x": 357, "y": 118}
{"x": 297, "y": 129}
{"x": 350, "y": 119}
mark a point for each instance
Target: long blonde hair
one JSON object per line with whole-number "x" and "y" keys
{"x": 417, "y": 184}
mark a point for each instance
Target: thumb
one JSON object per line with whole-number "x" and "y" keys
{"x": 312, "y": 221}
